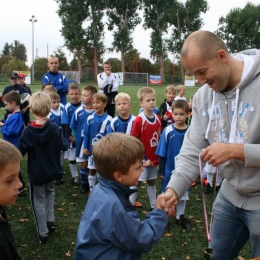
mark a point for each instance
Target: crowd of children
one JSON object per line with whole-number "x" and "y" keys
{"x": 124, "y": 150}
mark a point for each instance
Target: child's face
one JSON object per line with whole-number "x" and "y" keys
{"x": 98, "y": 106}
{"x": 149, "y": 102}
{"x": 10, "y": 106}
{"x": 133, "y": 174}
{"x": 74, "y": 95}
{"x": 123, "y": 106}
{"x": 9, "y": 183}
{"x": 182, "y": 92}
{"x": 86, "y": 97}
{"x": 179, "y": 116}
{"x": 170, "y": 96}
{"x": 55, "y": 104}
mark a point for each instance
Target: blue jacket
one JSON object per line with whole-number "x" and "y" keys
{"x": 110, "y": 227}
{"x": 59, "y": 81}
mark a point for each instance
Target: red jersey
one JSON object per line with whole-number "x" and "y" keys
{"x": 149, "y": 134}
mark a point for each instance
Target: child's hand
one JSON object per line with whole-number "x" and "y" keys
{"x": 1, "y": 124}
{"x": 72, "y": 140}
{"x": 162, "y": 177}
{"x": 165, "y": 117}
{"x": 167, "y": 202}
{"x": 147, "y": 163}
{"x": 86, "y": 152}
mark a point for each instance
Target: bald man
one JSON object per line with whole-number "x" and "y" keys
{"x": 58, "y": 80}
{"x": 225, "y": 132}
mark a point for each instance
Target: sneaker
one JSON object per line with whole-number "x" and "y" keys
{"x": 51, "y": 226}
{"x": 61, "y": 179}
{"x": 22, "y": 191}
{"x": 193, "y": 184}
{"x": 43, "y": 238}
{"x": 138, "y": 204}
{"x": 84, "y": 188}
{"x": 184, "y": 222}
{"x": 207, "y": 189}
{"x": 75, "y": 181}
{"x": 56, "y": 181}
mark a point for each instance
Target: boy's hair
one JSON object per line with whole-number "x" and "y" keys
{"x": 74, "y": 85}
{"x": 91, "y": 89}
{"x": 144, "y": 91}
{"x": 122, "y": 95}
{"x": 100, "y": 96}
{"x": 48, "y": 87}
{"x": 180, "y": 87}
{"x": 12, "y": 96}
{"x": 8, "y": 154}
{"x": 53, "y": 95}
{"x": 170, "y": 88}
{"x": 182, "y": 104}
{"x": 40, "y": 104}
{"x": 108, "y": 62}
{"x": 116, "y": 152}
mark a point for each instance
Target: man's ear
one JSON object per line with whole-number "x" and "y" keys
{"x": 222, "y": 55}
{"x": 117, "y": 176}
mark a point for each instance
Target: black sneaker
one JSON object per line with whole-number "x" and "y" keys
{"x": 56, "y": 181}
{"x": 61, "y": 179}
{"x": 184, "y": 222}
{"x": 207, "y": 189}
{"x": 43, "y": 238}
{"x": 75, "y": 181}
{"x": 84, "y": 188}
{"x": 51, "y": 226}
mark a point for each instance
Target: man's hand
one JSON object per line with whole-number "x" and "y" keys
{"x": 86, "y": 152}
{"x": 147, "y": 163}
{"x": 219, "y": 153}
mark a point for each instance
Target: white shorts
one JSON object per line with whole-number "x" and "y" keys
{"x": 72, "y": 154}
{"x": 81, "y": 159}
{"x": 91, "y": 164}
{"x": 149, "y": 173}
{"x": 185, "y": 196}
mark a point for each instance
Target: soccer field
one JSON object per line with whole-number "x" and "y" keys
{"x": 176, "y": 243}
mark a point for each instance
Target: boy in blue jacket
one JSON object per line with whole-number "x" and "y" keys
{"x": 110, "y": 227}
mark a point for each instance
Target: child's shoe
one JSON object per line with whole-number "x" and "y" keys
{"x": 56, "y": 181}
{"x": 61, "y": 179}
{"x": 207, "y": 189}
{"x": 43, "y": 238}
{"x": 75, "y": 181}
{"x": 184, "y": 222}
{"x": 138, "y": 204}
{"x": 51, "y": 226}
{"x": 84, "y": 188}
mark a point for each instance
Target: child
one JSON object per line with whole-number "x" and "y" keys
{"x": 181, "y": 90}
{"x": 165, "y": 109}
{"x": 70, "y": 108}
{"x": 77, "y": 125}
{"x": 110, "y": 227}
{"x": 190, "y": 110}
{"x": 48, "y": 87}
{"x": 168, "y": 148}
{"x": 55, "y": 117}
{"x": 41, "y": 139}
{"x": 10, "y": 159}
{"x": 147, "y": 127}
{"x": 95, "y": 128}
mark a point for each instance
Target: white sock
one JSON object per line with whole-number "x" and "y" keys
{"x": 91, "y": 182}
{"x": 133, "y": 197}
{"x": 180, "y": 208}
{"x": 151, "y": 191}
{"x": 73, "y": 170}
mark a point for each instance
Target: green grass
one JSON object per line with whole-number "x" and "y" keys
{"x": 69, "y": 205}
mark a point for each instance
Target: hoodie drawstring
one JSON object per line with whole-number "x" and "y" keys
{"x": 210, "y": 115}
{"x": 232, "y": 135}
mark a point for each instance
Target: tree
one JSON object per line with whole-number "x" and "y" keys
{"x": 122, "y": 20}
{"x": 116, "y": 64}
{"x": 240, "y": 28}
{"x": 19, "y": 51}
{"x": 40, "y": 65}
{"x": 14, "y": 64}
{"x": 63, "y": 63}
{"x": 7, "y": 50}
{"x": 4, "y": 59}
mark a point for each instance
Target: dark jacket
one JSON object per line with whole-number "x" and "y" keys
{"x": 8, "y": 250}
{"x": 43, "y": 145}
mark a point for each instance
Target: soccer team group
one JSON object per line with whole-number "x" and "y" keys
{"x": 131, "y": 150}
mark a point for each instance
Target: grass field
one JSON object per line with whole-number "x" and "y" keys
{"x": 176, "y": 244}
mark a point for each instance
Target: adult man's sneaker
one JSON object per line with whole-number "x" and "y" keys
{"x": 75, "y": 181}
{"x": 43, "y": 238}
{"x": 51, "y": 226}
{"x": 84, "y": 188}
{"x": 207, "y": 189}
{"x": 138, "y": 204}
{"x": 184, "y": 222}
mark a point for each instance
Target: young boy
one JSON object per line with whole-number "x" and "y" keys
{"x": 110, "y": 227}
{"x": 167, "y": 150}
{"x": 77, "y": 125}
{"x": 55, "y": 116}
{"x": 41, "y": 139}
{"x": 181, "y": 90}
{"x": 70, "y": 108}
{"x": 147, "y": 127}
{"x": 95, "y": 128}
{"x": 165, "y": 109}
{"x": 10, "y": 159}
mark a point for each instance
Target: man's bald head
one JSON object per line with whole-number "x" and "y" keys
{"x": 207, "y": 43}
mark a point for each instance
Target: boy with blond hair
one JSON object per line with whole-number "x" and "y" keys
{"x": 77, "y": 123}
{"x": 147, "y": 127}
{"x": 165, "y": 109}
{"x": 110, "y": 227}
{"x": 10, "y": 159}
{"x": 181, "y": 90}
{"x": 95, "y": 128}
{"x": 41, "y": 139}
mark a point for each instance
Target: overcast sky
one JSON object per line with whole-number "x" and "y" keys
{"x": 15, "y": 25}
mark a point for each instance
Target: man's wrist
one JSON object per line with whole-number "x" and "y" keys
{"x": 172, "y": 191}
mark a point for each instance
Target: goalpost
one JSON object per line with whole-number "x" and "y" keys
{"x": 132, "y": 78}
{"x": 72, "y": 76}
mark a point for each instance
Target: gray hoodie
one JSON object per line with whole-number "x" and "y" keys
{"x": 232, "y": 117}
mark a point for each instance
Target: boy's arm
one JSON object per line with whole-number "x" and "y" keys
{"x": 10, "y": 128}
{"x": 23, "y": 145}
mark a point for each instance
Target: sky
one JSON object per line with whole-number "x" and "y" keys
{"x": 15, "y": 25}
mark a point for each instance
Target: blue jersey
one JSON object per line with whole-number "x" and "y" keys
{"x": 117, "y": 125}
{"x": 169, "y": 147}
{"x": 77, "y": 125}
{"x": 95, "y": 128}
{"x": 56, "y": 115}
{"x": 155, "y": 110}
